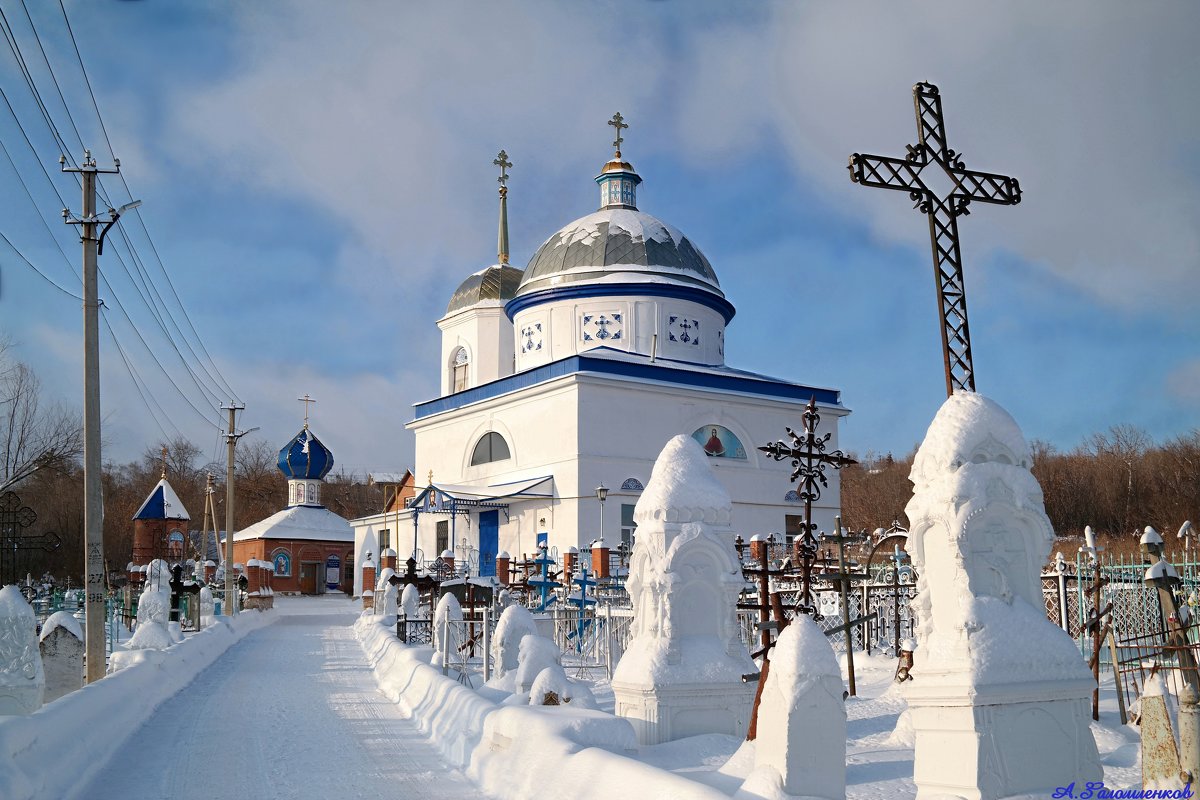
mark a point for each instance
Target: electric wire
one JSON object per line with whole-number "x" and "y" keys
{"x": 137, "y": 213}
{"x": 47, "y": 117}
{"x": 33, "y": 267}
{"x": 50, "y": 70}
{"x": 138, "y": 382}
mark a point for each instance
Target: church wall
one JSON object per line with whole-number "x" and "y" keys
{"x": 670, "y": 328}
{"x": 487, "y": 335}
{"x": 297, "y": 551}
{"x": 627, "y": 423}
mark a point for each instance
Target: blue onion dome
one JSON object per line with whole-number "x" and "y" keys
{"x": 498, "y": 284}
{"x": 305, "y": 458}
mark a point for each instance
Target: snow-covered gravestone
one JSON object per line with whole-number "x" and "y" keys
{"x": 445, "y": 631}
{"x": 61, "y": 643}
{"x": 154, "y": 609}
{"x": 802, "y": 718}
{"x": 410, "y": 601}
{"x": 1000, "y": 697}
{"x": 515, "y": 624}
{"x": 22, "y": 682}
{"x": 681, "y": 674}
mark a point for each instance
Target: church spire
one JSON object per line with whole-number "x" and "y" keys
{"x": 503, "y": 163}
{"x": 618, "y": 182}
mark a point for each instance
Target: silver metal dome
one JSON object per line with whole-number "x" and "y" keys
{"x": 498, "y": 282}
{"x": 616, "y": 241}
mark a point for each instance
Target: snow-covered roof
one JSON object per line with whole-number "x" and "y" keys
{"x": 300, "y": 522}
{"x": 162, "y": 503}
{"x": 375, "y": 478}
{"x": 617, "y": 240}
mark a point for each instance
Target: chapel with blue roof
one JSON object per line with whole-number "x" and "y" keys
{"x": 561, "y": 383}
{"x": 310, "y": 547}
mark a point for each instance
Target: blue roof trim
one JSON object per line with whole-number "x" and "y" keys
{"x": 742, "y": 383}
{"x": 704, "y": 297}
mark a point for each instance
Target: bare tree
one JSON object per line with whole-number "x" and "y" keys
{"x": 32, "y": 437}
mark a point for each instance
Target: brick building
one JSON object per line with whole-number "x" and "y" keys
{"x": 311, "y": 548}
{"x": 160, "y": 528}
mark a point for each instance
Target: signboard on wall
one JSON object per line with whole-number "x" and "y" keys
{"x": 333, "y": 573}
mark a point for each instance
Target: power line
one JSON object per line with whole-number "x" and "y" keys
{"x": 135, "y": 378}
{"x": 33, "y": 267}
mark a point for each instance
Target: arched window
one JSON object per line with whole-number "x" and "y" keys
{"x": 459, "y": 370}
{"x": 491, "y": 447}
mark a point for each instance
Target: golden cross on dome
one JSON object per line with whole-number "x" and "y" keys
{"x": 306, "y": 400}
{"x": 503, "y": 163}
{"x": 618, "y": 122}
{"x": 164, "y": 462}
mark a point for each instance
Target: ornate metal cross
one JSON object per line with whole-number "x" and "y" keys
{"x": 503, "y": 163}
{"x": 919, "y": 173}
{"x": 809, "y": 460}
{"x": 14, "y": 518}
{"x": 306, "y": 400}
{"x": 618, "y": 122}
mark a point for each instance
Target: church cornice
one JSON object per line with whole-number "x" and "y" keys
{"x": 661, "y": 371}
{"x": 703, "y": 296}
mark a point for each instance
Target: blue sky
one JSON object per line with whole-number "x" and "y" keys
{"x": 317, "y": 179}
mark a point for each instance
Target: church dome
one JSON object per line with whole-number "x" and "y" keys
{"x": 617, "y": 244}
{"x": 497, "y": 283}
{"x": 305, "y": 458}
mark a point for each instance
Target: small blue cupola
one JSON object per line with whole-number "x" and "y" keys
{"x": 162, "y": 503}
{"x": 305, "y": 462}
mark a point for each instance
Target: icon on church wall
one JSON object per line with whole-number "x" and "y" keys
{"x": 283, "y": 564}
{"x": 175, "y": 544}
{"x": 719, "y": 442}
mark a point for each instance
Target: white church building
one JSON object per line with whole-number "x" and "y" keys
{"x": 572, "y": 375}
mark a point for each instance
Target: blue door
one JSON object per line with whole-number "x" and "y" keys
{"x": 489, "y": 538}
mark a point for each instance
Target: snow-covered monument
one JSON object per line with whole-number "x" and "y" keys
{"x": 681, "y": 674}
{"x": 1001, "y": 705}
{"x": 572, "y": 374}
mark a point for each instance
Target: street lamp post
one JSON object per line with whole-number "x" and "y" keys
{"x": 601, "y": 495}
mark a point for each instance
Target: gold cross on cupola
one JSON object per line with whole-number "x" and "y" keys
{"x": 306, "y": 400}
{"x": 618, "y": 122}
{"x": 503, "y": 163}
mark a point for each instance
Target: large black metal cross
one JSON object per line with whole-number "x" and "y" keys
{"x": 809, "y": 460}
{"x": 928, "y": 164}
{"x": 14, "y": 543}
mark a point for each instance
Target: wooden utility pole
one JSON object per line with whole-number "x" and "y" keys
{"x": 231, "y": 437}
{"x": 93, "y": 499}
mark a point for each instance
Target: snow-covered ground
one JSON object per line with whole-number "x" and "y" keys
{"x": 290, "y": 711}
{"x": 475, "y": 730}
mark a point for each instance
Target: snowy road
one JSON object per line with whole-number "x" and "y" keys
{"x": 291, "y": 711}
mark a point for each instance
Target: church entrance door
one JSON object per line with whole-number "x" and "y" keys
{"x": 308, "y": 576}
{"x": 489, "y": 538}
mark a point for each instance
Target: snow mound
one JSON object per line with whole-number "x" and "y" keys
{"x": 410, "y": 601}
{"x": 536, "y": 654}
{"x": 552, "y": 687}
{"x": 150, "y": 636}
{"x": 682, "y": 487}
{"x": 515, "y": 624}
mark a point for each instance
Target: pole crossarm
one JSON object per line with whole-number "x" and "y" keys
{"x": 931, "y": 158}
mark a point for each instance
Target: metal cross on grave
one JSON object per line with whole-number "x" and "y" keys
{"x": 14, "y": 519}
{"x": 942, "y": 188}
{"x": 618, "y": 122}
{"x": 809, "y": 461}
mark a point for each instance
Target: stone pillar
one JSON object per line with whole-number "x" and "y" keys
{"x": 61, "y": 645}
{"x": 570, "y": 559}
{"x": 758, "y": 546}
{"x": 448, "y": 559}
{"x": 22, "y": 681}
{"x": 210, "y": 571}
{"x": 387, "y": 559}
{"x": 503, "y": 567}
{"x": 368, "y": 582}
{"x": 681, "y": 674}
{"x": 1000, "y": 697}
{"x": 600, "y": 559}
